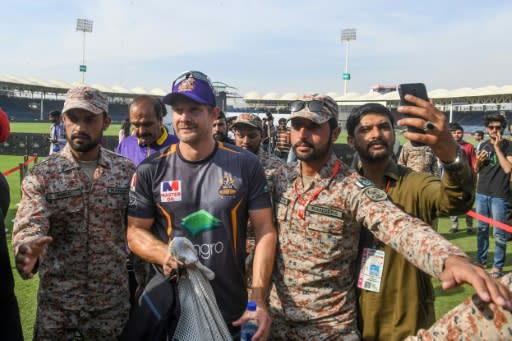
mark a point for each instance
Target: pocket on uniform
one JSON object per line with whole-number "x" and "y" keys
{"x": 66, "y": 203}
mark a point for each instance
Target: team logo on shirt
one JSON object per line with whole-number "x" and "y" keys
{"x": 227, "y": 186}
{"x": 170, "y": 191}
{"x": 199, "y": 222}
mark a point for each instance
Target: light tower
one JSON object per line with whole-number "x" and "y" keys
{"x": 347, "y": 35}
{"x": 83, "y": 25}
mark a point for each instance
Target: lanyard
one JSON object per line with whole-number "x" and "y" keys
{"x": 388, "y": 185}
{"x": 303, "y": 203}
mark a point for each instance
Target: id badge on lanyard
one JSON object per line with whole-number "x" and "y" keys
{"x": 372, "y": 266}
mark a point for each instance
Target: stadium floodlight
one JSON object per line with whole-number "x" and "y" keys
{"x": 347, "y": 35}
{"x": 83, "y": 25}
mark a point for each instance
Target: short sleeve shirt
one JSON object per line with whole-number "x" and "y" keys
{"x": 492, "y": 180}
{"x": 207, "y": 202}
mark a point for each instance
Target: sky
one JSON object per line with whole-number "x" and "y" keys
{"x": 261, "y": 45}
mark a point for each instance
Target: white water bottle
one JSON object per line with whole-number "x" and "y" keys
{"x": 251, "y": 325}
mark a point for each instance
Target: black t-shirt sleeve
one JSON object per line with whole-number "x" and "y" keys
{"x": 142, "y": 204}
{"x": 258, "y": 195}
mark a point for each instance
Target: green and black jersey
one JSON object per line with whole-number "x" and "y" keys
{"x": 208, "y": 202}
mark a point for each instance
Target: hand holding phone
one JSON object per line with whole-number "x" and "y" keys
{"x": 418, "y": 90}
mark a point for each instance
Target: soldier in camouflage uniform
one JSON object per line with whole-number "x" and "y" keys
{"x": 419, "y": 159}
{"x": 320, "y": 207}
{"x": 404, "y": 302}
{"x": 248, "y": 129}
{"x": 71, "y": 225}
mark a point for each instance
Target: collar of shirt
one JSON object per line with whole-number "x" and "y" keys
{"x": 323, "y": 177}
{"x": 103, "y": 159}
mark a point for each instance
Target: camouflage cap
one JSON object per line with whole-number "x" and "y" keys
{"x": 329, "y": 109}
{"x": 86, "y": 98}
{"x": 251, "y": 120}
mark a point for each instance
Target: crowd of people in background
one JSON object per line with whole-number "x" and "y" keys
{"x": 327, "y": 251}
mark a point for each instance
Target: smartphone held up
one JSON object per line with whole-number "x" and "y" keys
{"x": 418, "y": 90}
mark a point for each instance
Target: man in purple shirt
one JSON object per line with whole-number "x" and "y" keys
{"x": 150, "y": 135}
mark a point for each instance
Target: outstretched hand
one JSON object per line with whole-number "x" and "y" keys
{"x": 28, "y": 254}
{"x": 439, "y": 138}
{"x": 458, "y": 270}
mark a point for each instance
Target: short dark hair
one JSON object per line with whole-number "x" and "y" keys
{"x": 480, "y": 132}
{"x": 158, "y": 105}
{"x": 222, "y": 116}
{"x": 54, "y": 113}
{"x": 455, "y": 126}
{"x": 495, "y": 117}
{"x": 358, "y": 112}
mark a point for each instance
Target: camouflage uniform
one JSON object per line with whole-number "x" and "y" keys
{"x": 419, "y": 159}
{"x": 270, "y": 165}
{"x": 472, "y": 320}
{"x": 313, "y": 294}
{"x": 83, "y": 281}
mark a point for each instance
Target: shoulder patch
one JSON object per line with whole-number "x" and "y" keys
{"x": 376, "y": 194}
{"x": 364, "y": 182}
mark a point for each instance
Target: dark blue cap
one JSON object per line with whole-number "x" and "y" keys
{"x": 194, "y": 86}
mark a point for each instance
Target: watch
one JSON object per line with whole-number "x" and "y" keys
{"x": 456, "y": 164}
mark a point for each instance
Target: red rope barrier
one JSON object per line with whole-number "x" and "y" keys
{"x": 495, "y": 223}
{"x": 12, "y": 170}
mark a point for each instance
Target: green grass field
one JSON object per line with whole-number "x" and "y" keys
{"x": 26, "y": 290}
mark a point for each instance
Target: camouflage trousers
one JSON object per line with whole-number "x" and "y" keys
{"x": 56, "y": 324}
{"x": 326, "y": 329}
{"x": 472, "y": 320}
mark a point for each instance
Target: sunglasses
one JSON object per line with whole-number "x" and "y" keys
{"x": 494, "y": 127}
{"x": 313, "y": 106}
{"x": 193, "y": 74}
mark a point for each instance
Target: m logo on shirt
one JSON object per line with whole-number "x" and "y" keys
{"x": 170, "y": 191}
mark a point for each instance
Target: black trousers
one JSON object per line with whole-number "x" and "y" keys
{"x": 10, "y": 324}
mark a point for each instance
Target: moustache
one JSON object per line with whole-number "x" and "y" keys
{"x": 141, "y": 136}
{"x": 376, "y": 142}
{"x": 303, "y": 143}
{"x": 83, "y": 136}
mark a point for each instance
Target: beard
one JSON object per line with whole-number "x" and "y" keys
{"x": 367, "y": 155}
{"x": 221, "y": 137}
{"x": 85, "y": 146}
{"x": 316, "y": 153}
